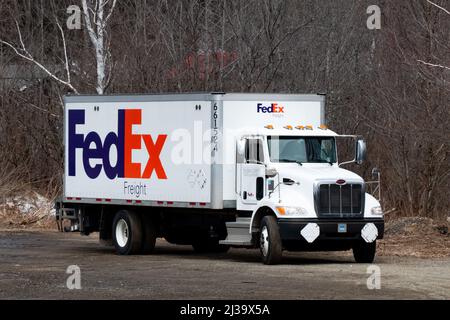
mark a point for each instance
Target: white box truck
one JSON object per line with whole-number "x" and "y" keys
{"x": 213, "y": 170}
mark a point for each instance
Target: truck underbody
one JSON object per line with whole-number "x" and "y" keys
{"x": 206, "y": 230}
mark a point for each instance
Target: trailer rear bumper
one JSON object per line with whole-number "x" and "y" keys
{"x": 313, "y": 230}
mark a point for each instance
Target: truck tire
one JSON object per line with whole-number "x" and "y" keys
{"x": 150, "y": 234}
{"x": 270, "y": 241}
{"x": 210, "y": 247}
{"x": 127, "y": 232}
{"x": 364, "y": 252}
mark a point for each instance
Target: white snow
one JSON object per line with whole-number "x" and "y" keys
{"x": 33, "y": 204}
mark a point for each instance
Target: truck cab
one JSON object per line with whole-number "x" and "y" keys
{"x": 299, "y": 196}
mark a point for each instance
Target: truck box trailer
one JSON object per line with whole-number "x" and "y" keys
{"x": 213, "y": 170}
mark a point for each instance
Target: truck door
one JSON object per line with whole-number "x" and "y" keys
{"x": 252, "y": 172}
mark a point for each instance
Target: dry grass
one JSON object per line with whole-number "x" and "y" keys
{"x": 415, "y": 236}
{"x": 29, "y": 211}
{"x": 14, "y": 220}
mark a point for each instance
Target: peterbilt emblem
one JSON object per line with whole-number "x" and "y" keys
{"x": 340, "y": 181}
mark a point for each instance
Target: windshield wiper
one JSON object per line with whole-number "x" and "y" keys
{"x": 321, "y": 161}
{"x": 291, "y": 161}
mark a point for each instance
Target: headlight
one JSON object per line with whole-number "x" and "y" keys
{"x": 376, "y": 211}
{"x": 291, "y": 211}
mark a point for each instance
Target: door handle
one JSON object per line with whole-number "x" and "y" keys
{"x": 244, "y": 195}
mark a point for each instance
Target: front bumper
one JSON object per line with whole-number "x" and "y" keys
{"x": 328, "y": 229}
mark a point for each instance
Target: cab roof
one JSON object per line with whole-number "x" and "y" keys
{"x": 291, "y": 131}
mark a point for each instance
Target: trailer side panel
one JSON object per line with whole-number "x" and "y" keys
{"x": 137, "y": 151}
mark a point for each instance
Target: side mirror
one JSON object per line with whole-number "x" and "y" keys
{"x": 375, "y": 173}
{"x": 360, "y": 151}
{"x": 271, "y": 172}
{"x": 241, "y": 147}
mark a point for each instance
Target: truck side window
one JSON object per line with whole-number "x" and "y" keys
{"x": 254, "y": 151}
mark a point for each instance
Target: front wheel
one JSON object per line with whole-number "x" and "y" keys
{"x": 270, "y": 241}
{"x": 364, "y": 252}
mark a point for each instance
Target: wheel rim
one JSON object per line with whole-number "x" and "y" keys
{"x": 264, "y": 241}
{"x": 122, "y": 233}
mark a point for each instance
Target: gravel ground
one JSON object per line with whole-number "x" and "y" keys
{"x": 33, "y": 266}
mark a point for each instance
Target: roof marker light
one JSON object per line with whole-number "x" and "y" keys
{"x": 288, "y": 127}
{"x": 309, "y": 127}
{"x": 323, "y": 127}
{"x": 300, "y": 127}
{"x": 269, "y": 126}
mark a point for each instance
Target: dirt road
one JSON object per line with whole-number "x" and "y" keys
{"x": 33, "y": 266}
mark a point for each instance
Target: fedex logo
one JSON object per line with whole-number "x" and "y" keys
{"x": 125, "y": 142}
{"x": 271, "y": 108}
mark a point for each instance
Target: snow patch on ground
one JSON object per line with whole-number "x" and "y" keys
{"x": 27, "y": 210}
{"x": 30, "y": 204}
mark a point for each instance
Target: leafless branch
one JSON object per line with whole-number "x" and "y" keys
{"x": 433, "y": 65}
{"x": 24, "y": 54}
{"x": 438, "y": 6}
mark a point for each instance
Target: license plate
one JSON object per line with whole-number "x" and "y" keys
{"x": 342, "y": 227}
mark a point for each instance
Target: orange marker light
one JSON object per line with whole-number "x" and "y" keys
{"x": 288, "y": 127}
{"x": 300, "y": 127}
{"x": 269, "y": 126}
{"x": 309, "y": 127}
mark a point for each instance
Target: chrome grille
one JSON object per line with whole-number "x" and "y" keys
{"x": 333, "y": 200}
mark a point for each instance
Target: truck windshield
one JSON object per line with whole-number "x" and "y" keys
{"x": 302, "y": 149}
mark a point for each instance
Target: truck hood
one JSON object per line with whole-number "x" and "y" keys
{"x": 308, "y": 173}
{"x": 301, "y": 194}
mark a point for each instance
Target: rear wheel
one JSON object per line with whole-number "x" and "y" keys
{"x": 127, "y": 232}
{"x": 364, "y": 252}
{"x": 270, "y": 241}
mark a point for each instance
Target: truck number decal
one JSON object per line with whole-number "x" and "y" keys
{"x": 215, "y": 130}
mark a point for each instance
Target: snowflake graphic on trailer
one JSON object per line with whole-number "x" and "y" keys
{"x": 197, "y": 178}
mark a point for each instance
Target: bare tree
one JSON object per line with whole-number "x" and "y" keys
{"x": 97, "y": 14}
{"x": 436, "y": 65}
{"x": 22, "y": 52}
{"x": 389, "y": 85}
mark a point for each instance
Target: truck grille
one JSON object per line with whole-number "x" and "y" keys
{"x": 344, "y": 201}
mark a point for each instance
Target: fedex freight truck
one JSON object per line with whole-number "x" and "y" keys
{"x": 213, "y": 170}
